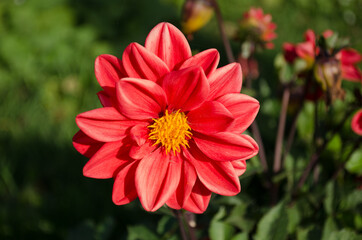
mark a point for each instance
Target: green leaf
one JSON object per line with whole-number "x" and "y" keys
{"x": 241, "y": 236}
{"x": 294, "y": 218}
{"x": 309, "y": 233}
{"x": 354, "y": 163}
{"x": 344, "y": 234}
{"x": 329, "y": 227}
{"x": 239, "y": 218}
{"x": 305, "y": 124}
{"x": 220, "y": 230}
{"x": 330, "y": 199}
{"x": 140, "y": 232}
{"x": 273, "y": 224}
{"x": 352, "y": 200}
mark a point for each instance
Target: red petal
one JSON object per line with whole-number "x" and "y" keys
{"x": 227, "y": 79}
{"x": 141, "y": 151}
{"x": 106, "y": 161}
{"x": 186, "y": 89}
{"x": 211, "y": 117}
{"x": 157, "y": 178}
{"x": 85, "y": 145}
{"x": 356, "y": 123}
{"x": 139, "y": 134}
{"x": 105, "y": 124}
{"x": 140, "y": 98}
{"x": 199, "y": 199}
{"x": 309, "y": 36}
{"x": 351, "y": 73}
{"x": 239, "y": 166}
{"x": 138, "y": 62}
{"x": 104, "y": 99}
{"x": 244, "y": 109}
{"x": 208, "y": 60}
{"x": 305, "y": 50}
{"x": 226, "y": 146}
{"x": 218, "y": 177}
{"x": 350, "y": 56}
{"x": 183, "y": 191}
{"x": 168, "y": 43}
{"x": 108, "y": 70}
{"x": 124, "y": 189}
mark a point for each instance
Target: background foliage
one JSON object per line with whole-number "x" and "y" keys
{"x": 47, "y": 50}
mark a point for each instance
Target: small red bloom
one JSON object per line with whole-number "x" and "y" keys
{"x": 170, "y": 129}
{"x": 260, "y": 26}
{"x": 356, "y": 123}
{"x": 347, "y": 57}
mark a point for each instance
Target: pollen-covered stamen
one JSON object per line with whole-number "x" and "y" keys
{"x": 171, "y": 131}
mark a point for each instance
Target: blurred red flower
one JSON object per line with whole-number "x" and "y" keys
{"x": 260, "y": 26}
{"x": 356, "y": 123}
{"x": 308, "y": 51}
{"x": 170, "y": 129}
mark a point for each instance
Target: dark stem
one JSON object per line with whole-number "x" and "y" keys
{"x": 191, "y": 224}
{"x": 256, "y": 134}
{"x": 315, "y": 157}
{"x": 315, "y": 131}
{"x": 178, "y": 215}
{"x": 293, "y": 127}
{"x": 229, "y": 52}
{"x": 281, "y": 128}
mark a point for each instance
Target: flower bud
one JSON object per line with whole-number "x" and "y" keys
{"x": 195, "y": 15}
{"x": 327, "y": 72}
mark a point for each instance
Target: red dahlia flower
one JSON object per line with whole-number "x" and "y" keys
{"x": 260, "y": 26}
{"x": 356, "y": 123}
{"x": 170, "y": 129}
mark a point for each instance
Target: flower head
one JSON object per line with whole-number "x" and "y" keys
{"x": 170, "y": 130}
{"x": 356, "y": 123}
{"x": 258, "y": 27}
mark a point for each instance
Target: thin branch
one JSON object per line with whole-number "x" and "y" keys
{"x": 178, "y": 215}
{"x": 257, "y": 135}
{"x": 229, "y": 52}
{"x": 315, "y": 157}
{"x": 191, "y": 224}
{"x": 281, "y": 128}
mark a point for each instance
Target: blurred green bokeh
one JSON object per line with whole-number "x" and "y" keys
{"x": 47, "y": 51}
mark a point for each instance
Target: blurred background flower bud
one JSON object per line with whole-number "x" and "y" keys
{"x": 327, "y": 72}
{"x": 258, "y": 28}
{"x": 195, "y": 15}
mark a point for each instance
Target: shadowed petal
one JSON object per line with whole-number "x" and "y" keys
{"x": 85, "y": 145}
{"x": 208, "y": 60}
{"x": 108, "y": 70}
{"x": 138, "y": 62}
{"x": 186, "y": 89}
{"x": 140, "y": 98}
{"x": 239, "y": 166}
{"x": 105, "y": 124}
{"x": 211, "y": 117}
{"x": 227, "y": 79}
{"x": 124, "y": 189}
{"x": 104, "y": 98}
{"x": 141, "y": 151}
{"x": 169, "y": 44}
{"x": 157, "y": 178}
{"x": 106, "y": 161}
{"x": 226, "y": 146}
{"x": 218, "y": 177}
{"x": 199, "y": 199}
{"x": 244, "y": 109}
{"x": 183, "y": 191}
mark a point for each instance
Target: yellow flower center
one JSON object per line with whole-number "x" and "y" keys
{"x": 171, "y": 131}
